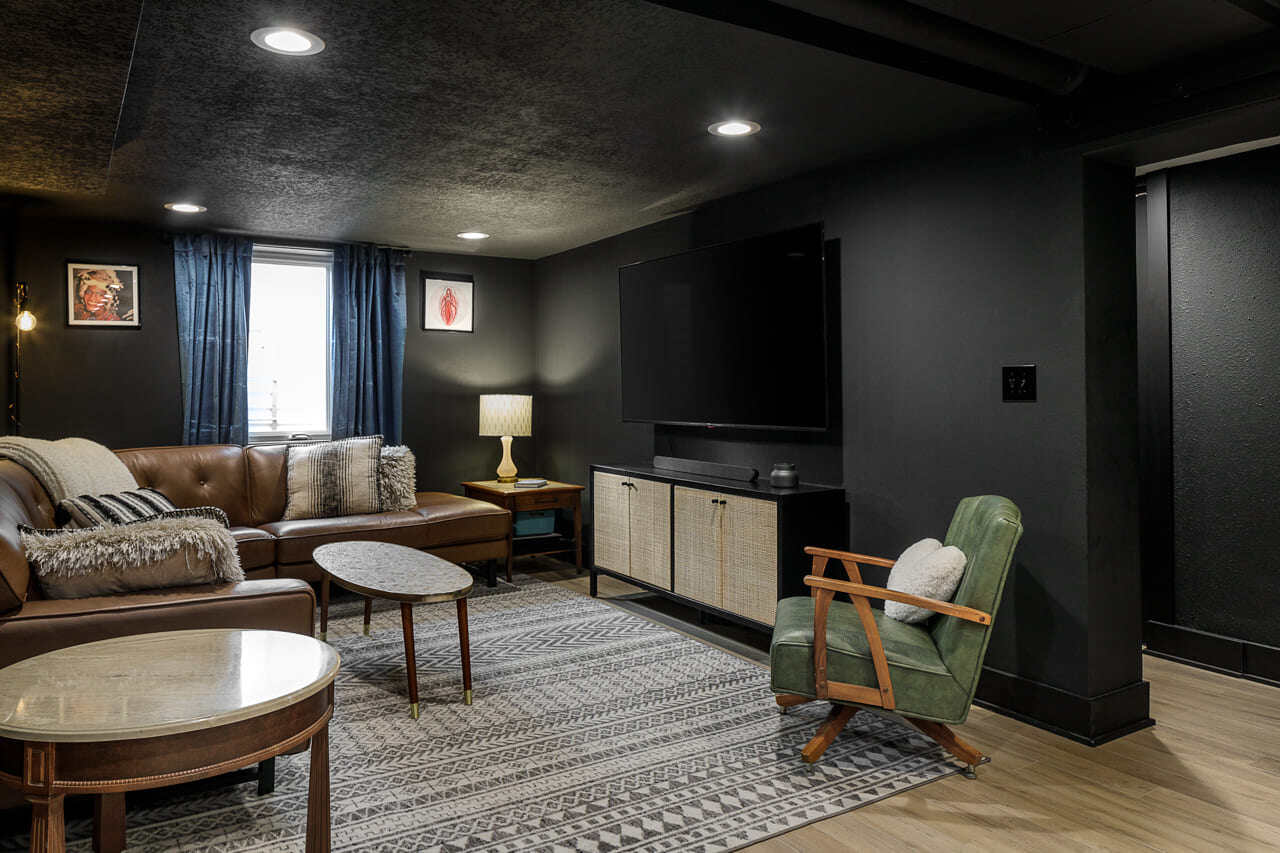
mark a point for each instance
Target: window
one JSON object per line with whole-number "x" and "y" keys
{"x": 289, "y": 343}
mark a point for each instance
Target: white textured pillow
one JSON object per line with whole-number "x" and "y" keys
{"x": 397, "y": 478}
{"x": 928, "y": 570}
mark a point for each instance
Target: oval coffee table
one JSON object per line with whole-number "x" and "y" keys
{"x": 152, "y": 710}
{"x": 403, "y": 574}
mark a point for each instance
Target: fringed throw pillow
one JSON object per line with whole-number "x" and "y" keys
{"x": 333, "y": 478}
{"x": 154, "y": 553}
{"x": 397, "y": 479}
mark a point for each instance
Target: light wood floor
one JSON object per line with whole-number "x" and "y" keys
{"x": 1206, "y": 777}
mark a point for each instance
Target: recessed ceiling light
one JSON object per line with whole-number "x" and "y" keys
{"x": 185, "y": 207}
{"x": 474, "y": 235}
{"x": 287, "y": 40}
{"x": 734, "y": 127}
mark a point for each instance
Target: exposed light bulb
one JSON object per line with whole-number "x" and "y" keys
{"x": 26, "y": 321}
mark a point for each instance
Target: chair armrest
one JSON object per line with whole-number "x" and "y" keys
{"x": 861, "y": 590}
{"x": 846, "y": 555}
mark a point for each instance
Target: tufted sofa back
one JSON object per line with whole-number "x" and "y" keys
{"x": 199, "y": 475}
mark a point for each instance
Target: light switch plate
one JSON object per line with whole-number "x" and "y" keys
{"x": 1019, "y": 383}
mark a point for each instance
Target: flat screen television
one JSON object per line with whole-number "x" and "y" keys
{"x": 732, "y": 335}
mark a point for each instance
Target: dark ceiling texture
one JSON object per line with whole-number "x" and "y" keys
{"x": 552, "y": 124}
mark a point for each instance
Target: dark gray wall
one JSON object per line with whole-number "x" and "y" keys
{"x": 1224, "y": 259}
{"x": 122, "y": 387}
{"x": 118, "y": 386}
{"x": 445, "y": 372}
{"x": 950, "y": 266}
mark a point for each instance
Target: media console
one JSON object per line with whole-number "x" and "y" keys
{"x": 723, "y": 546}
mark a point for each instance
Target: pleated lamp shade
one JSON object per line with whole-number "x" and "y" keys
{"x": 506, "y": 414}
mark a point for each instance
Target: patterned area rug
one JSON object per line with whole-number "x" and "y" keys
{"x": 592, "y": 730}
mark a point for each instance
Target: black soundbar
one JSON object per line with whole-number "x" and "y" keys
{"x": 706, "y": 469}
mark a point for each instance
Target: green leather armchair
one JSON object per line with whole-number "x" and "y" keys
{"x": 854, "y": 656}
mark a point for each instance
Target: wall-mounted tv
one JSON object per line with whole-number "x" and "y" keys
{"x": 732, "y": 335}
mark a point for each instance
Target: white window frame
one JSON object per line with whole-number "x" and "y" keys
{"x": 302, "y": 256}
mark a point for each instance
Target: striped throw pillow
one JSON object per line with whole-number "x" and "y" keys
{"x": 105, "y": 510}
{"x": 333, "y": 478}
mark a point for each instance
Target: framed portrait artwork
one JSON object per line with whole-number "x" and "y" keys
{"x": 448, "y": 302}
{"x": 102, "y": 295}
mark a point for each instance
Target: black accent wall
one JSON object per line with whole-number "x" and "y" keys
{"x": 122, "y": 386}
{"x": 1218, "y": 597}
{"x": 950, "y": 265}
{"x": 446, "y": 372}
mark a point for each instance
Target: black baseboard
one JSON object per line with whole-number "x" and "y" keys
{"x": 1227, "y": 655}
{"x": 1091, "y": 720}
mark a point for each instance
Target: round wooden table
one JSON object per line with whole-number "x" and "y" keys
{"x": 159, "y": 709}
{"x": 397, "y": 573}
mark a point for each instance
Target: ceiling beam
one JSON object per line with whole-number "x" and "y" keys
{"x": 1265, "y": 10}
{"x": 911, "y": 38}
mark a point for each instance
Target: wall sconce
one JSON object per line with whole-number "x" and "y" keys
{"x": 25, "y": 321}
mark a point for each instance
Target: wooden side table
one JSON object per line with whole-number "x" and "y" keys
{"x": 551, "y": 496}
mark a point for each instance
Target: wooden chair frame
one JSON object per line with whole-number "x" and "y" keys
{"x": 823, "y": 590}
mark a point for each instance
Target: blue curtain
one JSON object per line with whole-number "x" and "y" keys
{"x": 211, "y": 272}
{"x": 368, "y": 341}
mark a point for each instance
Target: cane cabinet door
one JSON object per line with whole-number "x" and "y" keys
{"x": 750, "y": 558}
{"x": 612, "y": 526}
{"x": 650, "y": 524}
{"x": 699, "y": 522}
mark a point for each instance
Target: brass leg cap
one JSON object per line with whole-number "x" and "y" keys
{"x": 413, "y": 710}
{"x": 366, "y": 629}
{"x": 466, "y": 697}
{"x": 324, "y": 636}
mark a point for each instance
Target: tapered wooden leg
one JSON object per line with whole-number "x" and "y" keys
{"x": 108, "y": 823}
{"x": 368, "y": 614}
{"x": 789, "y": 700}
{"x": 48, "y": 828}
{"x": 464, "y": 641}
{"x": 835, "y": 723}
{"x": 318, "y": 794}
{"x": 410, "y": 658}
{"x": 324, "y": 609}
{"x": 511, "y": 551}
{"x": 947, "y": 740}
{"x": 266, "y": 776}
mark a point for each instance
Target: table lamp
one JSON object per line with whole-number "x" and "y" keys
{"x": 506, "y": 415}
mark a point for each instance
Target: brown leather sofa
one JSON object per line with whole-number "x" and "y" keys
{"x": 249, "y": 484}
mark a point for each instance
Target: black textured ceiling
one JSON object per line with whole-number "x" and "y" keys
{"x": 546, "y": 124}
{"x": 63, "y": 68}
{"x": 1123, "y": 36}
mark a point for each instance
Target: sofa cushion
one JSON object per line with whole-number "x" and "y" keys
{"x": 44, "y": 625}
{"x": 922, "y": 684}
{"x": 454, "y": 519}
{"x": 332, "y": 479}
{"x": 141, "y": 555}
{"x": 266, "y": 464}
{"x": 257, "y": 547}
{"x": 297, "y": 538}
{"x": 22, "y": 501}
{"x": 200, "y": 475}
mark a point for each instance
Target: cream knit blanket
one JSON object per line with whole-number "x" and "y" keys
{"x": 69, "y": 467}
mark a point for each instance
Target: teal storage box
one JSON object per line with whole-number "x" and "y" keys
{"x": 536, "y": 522}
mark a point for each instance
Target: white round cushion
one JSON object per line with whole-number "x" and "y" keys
{"x": 926, "y": 569}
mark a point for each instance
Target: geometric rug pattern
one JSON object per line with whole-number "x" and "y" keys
{"x": 593, "y": 730}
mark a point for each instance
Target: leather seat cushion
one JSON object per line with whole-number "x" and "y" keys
{"x": 43, "y": 625}
{"x": 922, "y": 684}
{"x": 455, "y": 519}
{"x": 257, "y": 547}
{"x": 296, "y": 539}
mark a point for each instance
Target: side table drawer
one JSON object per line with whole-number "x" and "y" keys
{"x": 546, "y": 500}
